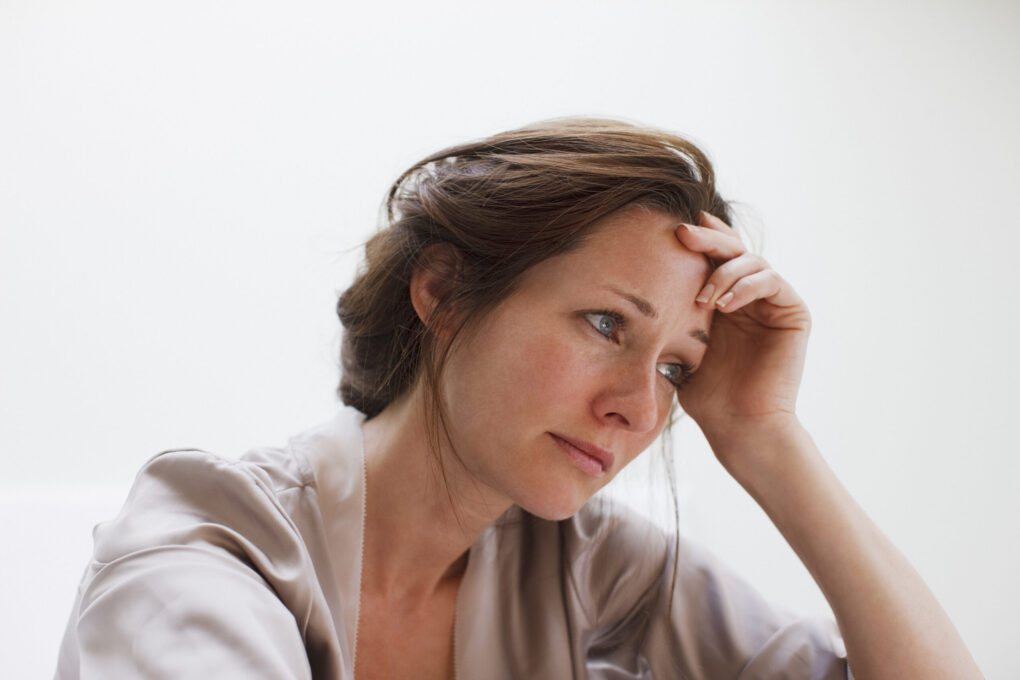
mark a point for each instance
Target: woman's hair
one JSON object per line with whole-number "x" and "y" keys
{"x": 502, "y": 204}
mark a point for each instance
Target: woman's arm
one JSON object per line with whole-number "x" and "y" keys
{"x": 743, "y": 398}
{"x": 891, "y": 623}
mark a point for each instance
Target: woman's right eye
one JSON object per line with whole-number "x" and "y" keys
{"x": 606, "y": 323}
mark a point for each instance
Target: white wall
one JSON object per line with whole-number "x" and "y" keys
{"x": 183, "y": 186}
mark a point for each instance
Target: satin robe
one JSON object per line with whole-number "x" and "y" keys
{"x": 251, "y": 568}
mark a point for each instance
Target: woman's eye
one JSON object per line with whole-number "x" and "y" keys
{"x": 677, "y": 374}
{"x": 604, "y": 322}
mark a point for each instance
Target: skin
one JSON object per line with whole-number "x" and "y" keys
{"x": 544, "y": 365}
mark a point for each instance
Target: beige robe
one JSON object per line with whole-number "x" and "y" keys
{"x": 217, "y": 568}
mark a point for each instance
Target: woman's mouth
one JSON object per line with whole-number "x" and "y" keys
{"x": 591, "y": 459}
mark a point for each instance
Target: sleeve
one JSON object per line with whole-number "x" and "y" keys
{"x": 187, "y": 581}
{"x": 715, "y": 623}
{"x": 699, "y": 621}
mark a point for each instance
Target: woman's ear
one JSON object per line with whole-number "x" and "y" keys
{"x": 431, "y": 281}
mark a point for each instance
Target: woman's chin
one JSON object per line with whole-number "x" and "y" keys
{"x": 555, "y": 507}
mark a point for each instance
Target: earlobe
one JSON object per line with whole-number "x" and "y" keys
{"x": 432, "y": 281}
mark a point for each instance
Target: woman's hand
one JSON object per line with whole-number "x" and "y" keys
{"x": 749, "y": 377}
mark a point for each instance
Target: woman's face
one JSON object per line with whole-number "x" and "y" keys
{"x": 572, "y": 376}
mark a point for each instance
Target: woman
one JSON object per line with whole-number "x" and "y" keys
{"x": 517, "y": 335}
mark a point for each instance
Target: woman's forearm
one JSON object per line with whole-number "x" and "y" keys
{"x": 891, "y": 623}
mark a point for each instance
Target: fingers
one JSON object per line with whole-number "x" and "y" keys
{"x": 712, "y": 237}
{"x": 764, "y": 285}
{"x": 726, "y": 275}
{"x": 708, "y": 220}
{"x": 739, "y": 277}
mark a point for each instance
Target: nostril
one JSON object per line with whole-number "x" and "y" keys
{"x": 620, "y": 417}
{"x": 635, "y": 419}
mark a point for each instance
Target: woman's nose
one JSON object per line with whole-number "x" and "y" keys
{"x": 630, "y": 398}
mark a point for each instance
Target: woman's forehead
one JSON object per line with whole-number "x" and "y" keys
{"x": 633, "y": 255}
{"x": 642, "y": 243}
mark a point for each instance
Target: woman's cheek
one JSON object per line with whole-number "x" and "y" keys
{"x": 556, "y": 369}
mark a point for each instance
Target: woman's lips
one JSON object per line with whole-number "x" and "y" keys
{"x": 592, "y": 459}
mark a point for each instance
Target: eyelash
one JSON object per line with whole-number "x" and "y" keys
{"x": 685, "y": 369}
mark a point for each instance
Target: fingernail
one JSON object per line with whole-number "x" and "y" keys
{"x": 706, "y": 293}
{"x": 689, "y": 227}
{"x": 724, "y": 300}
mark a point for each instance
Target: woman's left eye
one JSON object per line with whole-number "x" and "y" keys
{"x": 677, "y": 374}
{"x": 606, "y": 323}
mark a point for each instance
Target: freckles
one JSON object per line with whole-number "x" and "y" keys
{"x": 551, "y": 366}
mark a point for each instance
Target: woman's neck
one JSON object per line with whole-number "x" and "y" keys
{"x": 420, "y": 521}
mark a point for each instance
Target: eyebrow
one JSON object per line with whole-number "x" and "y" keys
{"x": 647, "y": 309}
{"x": 701, "y": 335}
{"x": 643, "y": 305}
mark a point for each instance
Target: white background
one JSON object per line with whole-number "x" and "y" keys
{"x": 184, "y": 186}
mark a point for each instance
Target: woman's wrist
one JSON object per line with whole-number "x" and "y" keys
{"x": 753, "y": 449}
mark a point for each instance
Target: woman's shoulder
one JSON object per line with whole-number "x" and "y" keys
{"x": 225, "y": 548}
{"x": 193, "y": 496}
{"x": 263, "y": 470}
{"x": 625, "y": 538}
{"x": 620, "y": 559}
